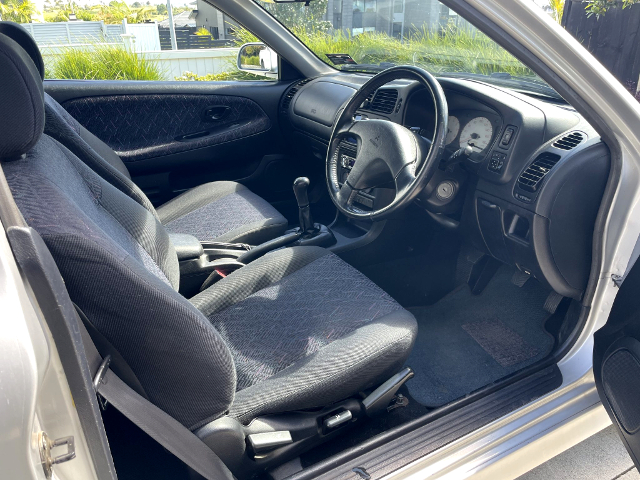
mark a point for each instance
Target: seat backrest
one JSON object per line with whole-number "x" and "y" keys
{"x": 117, "y": 260}
{"x": 60, "y": 125}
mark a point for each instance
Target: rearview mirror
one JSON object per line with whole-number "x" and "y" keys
{"x": 258, "y": 59}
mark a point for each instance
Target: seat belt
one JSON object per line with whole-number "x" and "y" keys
{"x": 160, "y": 426}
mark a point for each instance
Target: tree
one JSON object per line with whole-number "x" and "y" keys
{"x": 297, "y": 15}
{"x": 117, "y": 11}
{"x": 557, "y": 9}
{"x": 203, "y": 32}
{"x": 161, "y": 9}
{"x": 600, "y": 7}
{"x": 17, "y": 11}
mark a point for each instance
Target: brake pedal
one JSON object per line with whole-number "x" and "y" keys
{"x": 552, "y": 302}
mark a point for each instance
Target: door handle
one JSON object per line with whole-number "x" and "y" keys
{"x": 215, "y": 113}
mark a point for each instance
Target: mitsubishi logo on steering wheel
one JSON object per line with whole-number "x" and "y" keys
{"x": 375, "y": 140}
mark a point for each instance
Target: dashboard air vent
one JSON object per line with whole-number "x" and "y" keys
{"x": 384, "y": 101}
{"x": 286, "y": 101}
{"x": 569, "y": 141}
{"x": 531, "y": 178}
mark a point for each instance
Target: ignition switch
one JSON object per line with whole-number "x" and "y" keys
{"x": 445, "y": 190}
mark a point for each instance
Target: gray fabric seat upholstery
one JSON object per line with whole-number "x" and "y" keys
{"x": 223, "y": 211}
{"x": 216, "y": 211}
{"x": 296, "y": 329}
{"x": 320, "y": 327}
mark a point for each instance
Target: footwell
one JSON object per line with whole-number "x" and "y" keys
{"x": 467, "y": 341}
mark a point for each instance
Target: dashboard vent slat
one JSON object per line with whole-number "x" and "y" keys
{"x": 384, "y": 101}
{"x": 286, "y": 101}
{"x": 569, "y": 141}
{"x": 531, "y": 178}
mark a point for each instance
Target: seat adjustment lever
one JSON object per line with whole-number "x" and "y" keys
{"x": 378, "y": 400}
{"x": 264, "y": 442}
{"x": 336, "y": 420}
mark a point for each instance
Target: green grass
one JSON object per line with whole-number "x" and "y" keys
{"x": 103, "y": 62}
{"x": 450, "y": 50}
{"x": 220, "y": 77}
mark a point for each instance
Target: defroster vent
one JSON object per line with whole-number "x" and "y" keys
{"x": 531, "y": 178}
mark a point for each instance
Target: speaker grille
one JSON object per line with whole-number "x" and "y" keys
{"x": 621, "y": 381}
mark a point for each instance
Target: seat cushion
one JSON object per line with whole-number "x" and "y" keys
{"x": 223, "y": 212}
{"x": 305, "y": 329}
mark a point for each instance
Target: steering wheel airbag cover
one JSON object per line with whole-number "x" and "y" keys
{"x": 384, "y": 144}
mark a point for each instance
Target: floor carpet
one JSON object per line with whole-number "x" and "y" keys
{"x": 467, "y": 341}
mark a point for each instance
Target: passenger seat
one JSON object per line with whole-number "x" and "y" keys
{"x": 221, "y": 211}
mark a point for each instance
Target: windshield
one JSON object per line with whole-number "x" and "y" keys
{"x": 371, "y": 35}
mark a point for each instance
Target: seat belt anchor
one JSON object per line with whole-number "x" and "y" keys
{"x": 99, "y": 378}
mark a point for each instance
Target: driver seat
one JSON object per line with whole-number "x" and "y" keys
{"x": 220, "y": 211}
{"x": 297, "y": 329}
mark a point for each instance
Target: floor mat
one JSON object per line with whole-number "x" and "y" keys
{"x": 468, "y": 341}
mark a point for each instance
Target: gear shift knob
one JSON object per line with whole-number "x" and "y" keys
{"x": 300, "y": 186}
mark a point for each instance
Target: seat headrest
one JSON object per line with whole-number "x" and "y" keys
{"x": 18, "y": 34}
{"x": 21, "y": 101}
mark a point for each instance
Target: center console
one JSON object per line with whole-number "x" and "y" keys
{"x": 204, "y": 263}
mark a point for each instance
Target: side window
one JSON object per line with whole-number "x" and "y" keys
{"x": 121, "y": 41}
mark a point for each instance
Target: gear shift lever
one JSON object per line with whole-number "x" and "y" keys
{"x": 300, "y": 186}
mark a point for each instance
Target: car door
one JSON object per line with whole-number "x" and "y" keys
{"x": 173, "y": 136}
{"x": 616, "y": 362}
{"x": 177, "y": 126}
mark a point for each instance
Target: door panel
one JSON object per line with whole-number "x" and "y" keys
{"x": 616, "y": 364}
{"x": 139, "y": 127}
{"x": 173, "y": 136}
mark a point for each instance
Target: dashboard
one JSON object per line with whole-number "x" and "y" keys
{"x": 526, "y": 190}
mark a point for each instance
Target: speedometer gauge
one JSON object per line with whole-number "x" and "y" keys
{"x": 454, "y": 128}
{"x": 477, "y": 133}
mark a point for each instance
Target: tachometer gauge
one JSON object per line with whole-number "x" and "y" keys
{"x": 477, "y": 133}
{"x": 454, "y": 128}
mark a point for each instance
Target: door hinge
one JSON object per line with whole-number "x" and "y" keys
{"x": 45, "y": 445}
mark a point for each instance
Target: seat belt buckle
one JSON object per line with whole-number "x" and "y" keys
{"x": 98, "y": 380}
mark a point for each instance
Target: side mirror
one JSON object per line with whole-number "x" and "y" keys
{"x": 258, "y": 59}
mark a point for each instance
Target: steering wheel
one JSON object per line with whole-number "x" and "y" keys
{"x": 385, "y": 149}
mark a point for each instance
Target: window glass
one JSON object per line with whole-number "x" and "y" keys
{"x": 381, "y": 33}
{"x": 119, "y": 40}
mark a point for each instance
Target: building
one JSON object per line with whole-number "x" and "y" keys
{"x": 181, "y": 20}
{"x": 219, "y": 24}
{"x": 396, "y": 18}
